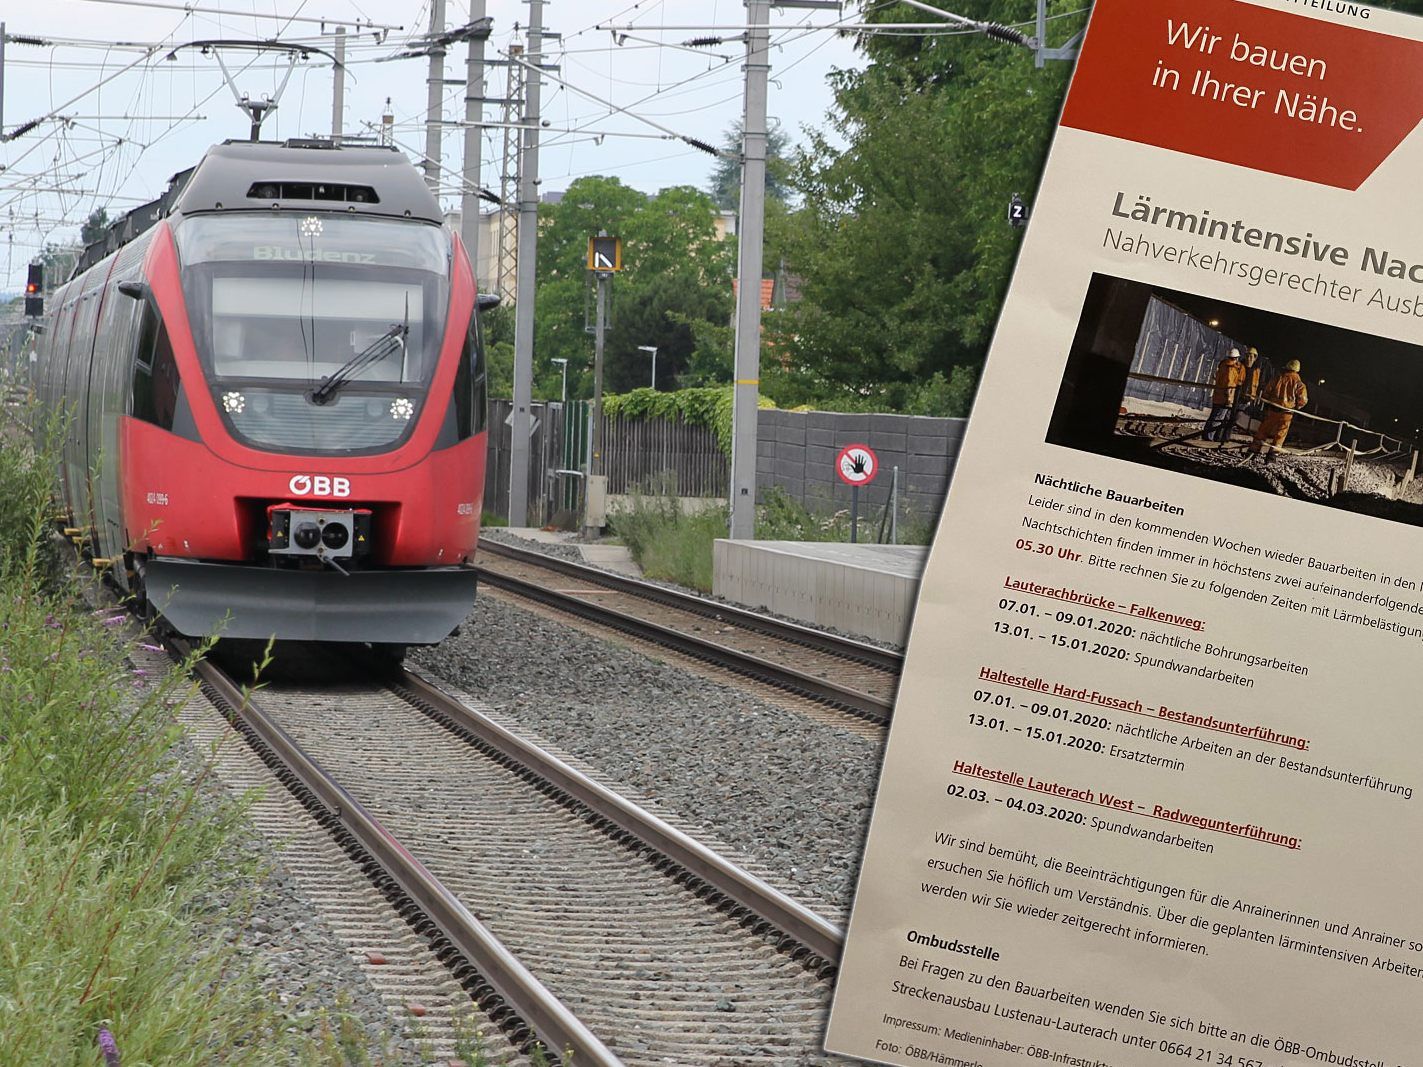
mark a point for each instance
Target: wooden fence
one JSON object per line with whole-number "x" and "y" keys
{"x": 666, "y": 454}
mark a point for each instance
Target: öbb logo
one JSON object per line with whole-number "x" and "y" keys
{"x": 319, "y": 485}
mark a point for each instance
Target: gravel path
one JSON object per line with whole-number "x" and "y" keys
{"x": 793, "y": 794}
{"x": 276, "y": 928}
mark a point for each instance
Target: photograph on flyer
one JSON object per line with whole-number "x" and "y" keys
{"x": 1246, "y": 396}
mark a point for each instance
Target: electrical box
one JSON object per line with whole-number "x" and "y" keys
{"x": 597, "y": 512}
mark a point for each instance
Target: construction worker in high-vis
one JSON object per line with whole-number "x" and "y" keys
{"x": 1284, "y": 396}
{"x": 1249, "y": 390}
{"x": 1228, "y": 376}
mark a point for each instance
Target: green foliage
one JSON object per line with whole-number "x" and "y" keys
{"x": 26, "y": 487}
{"x": 668, "y": 543}
{"x": 105, "y": 848}
{"x": 675, "y": 545}
{"x": 903, "y": 249}
{"x": 725, "y": 185}
{"x": 110, "y": 848}
{"x": 711, "y": 407}
{"x": 94, "y": 226}
{"x": 676, "y": 276}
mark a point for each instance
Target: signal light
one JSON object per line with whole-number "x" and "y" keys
{"x": 34, "y": 287}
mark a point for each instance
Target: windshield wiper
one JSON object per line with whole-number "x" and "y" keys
{"x": 378, "y": 349}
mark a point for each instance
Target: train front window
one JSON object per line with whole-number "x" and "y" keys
{"x": 317, "y": 333}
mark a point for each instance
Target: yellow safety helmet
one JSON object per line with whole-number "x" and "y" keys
{"x": 1293, "y": 365}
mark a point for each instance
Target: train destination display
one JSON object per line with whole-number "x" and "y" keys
{"x": 1149, "y": 793}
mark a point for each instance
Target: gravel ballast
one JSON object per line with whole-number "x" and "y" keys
{"x": 791, "y": 793}
{"x": 257, "y": 905}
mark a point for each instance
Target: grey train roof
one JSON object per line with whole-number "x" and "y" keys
{"x": 230, "y": 173}
{"x": 231, "y": 170}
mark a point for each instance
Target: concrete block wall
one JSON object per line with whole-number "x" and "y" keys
{"x": 796, "y": 451}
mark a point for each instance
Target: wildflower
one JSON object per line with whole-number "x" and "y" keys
{"x": 109, "y": 1047}
{"x": 53, "y": 623}
{"x": 150, "y": 648}
{"x": 114, "y": 620}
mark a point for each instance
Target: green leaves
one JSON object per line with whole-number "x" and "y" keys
{"x": 676, "y": 278}
{"x": 903, "y": 248}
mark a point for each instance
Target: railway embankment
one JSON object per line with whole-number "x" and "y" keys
{"x": 145, "y": 919}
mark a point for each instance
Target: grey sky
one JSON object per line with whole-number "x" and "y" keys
{"x": 88, "y": 156}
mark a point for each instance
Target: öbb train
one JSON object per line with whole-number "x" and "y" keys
{"x": 274, "y": 385}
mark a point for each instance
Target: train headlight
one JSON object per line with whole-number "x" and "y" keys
{"x": 401, "y": 408}
{"x": 233, "y": 403}
{"x": 307, "y": 535}
{"x": 334, "y": 535}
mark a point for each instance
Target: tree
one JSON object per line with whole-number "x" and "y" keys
{"x": 725, "y": 186}
{"x": 676, "y": 275}
{"x": 94, "y": 226}
{"x": 901, "y": 249}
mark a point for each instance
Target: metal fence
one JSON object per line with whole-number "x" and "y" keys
{"x": 557, "y": 436}
{"x": 636, "y": 452}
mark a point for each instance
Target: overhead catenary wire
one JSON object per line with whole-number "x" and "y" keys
{"x": 701, "y": 146}
{"x": 190, "y": 8}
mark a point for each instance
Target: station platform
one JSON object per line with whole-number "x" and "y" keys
{"x": 613, "y": 557}
{"x": 867, "y": 590}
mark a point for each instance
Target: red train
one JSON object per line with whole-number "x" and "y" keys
{"x": 275, "y": 395}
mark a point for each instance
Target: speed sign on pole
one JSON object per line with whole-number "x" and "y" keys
{"x": 856, "y": 465}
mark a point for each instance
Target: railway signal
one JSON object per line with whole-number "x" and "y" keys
{"x": 34, "y": 291}
{"x": 1017, "y": 212}
{"x": 605, "y": 254}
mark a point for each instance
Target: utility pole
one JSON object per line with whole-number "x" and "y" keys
{"x": 2, "y": 77}
{"x": 338, "y": 87}
{"x": 527, "y": 273}
{"x": 596, "y": 482}
{"x": 506, "y": 267}
{"x": 473, "y": 115}
{"x": 387, "y": 124}
{"x": 750, "y": 233}
{"x": 435, "y": 87}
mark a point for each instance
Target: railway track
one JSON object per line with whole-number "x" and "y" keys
{"x": 569, "y": 914}
{"x": 856, "y": 677}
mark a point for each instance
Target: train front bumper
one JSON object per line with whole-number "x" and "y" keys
{"x": 407, "y": 607}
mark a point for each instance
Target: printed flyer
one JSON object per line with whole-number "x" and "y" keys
{"x": 1149, "y": 794}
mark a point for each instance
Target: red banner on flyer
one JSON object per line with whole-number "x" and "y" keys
{"x": 1247, "y": 85}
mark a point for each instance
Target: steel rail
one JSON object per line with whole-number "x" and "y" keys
{"x": 819, "y": 640}
{"x": 785, "y": 914}
{"x": 760, "y": 669}
{"x": 864, "y": 704}
{"x": 552, "y": 1022}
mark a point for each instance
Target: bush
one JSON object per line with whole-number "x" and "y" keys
{"x": 666, "y": 542}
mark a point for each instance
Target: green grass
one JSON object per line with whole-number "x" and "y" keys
{"x": 674, "y": 546}
{"x": 111, "y": 848}
{"x": 668, "y": 544}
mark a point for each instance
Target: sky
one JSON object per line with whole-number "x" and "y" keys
{"x": 121, "y": 142}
